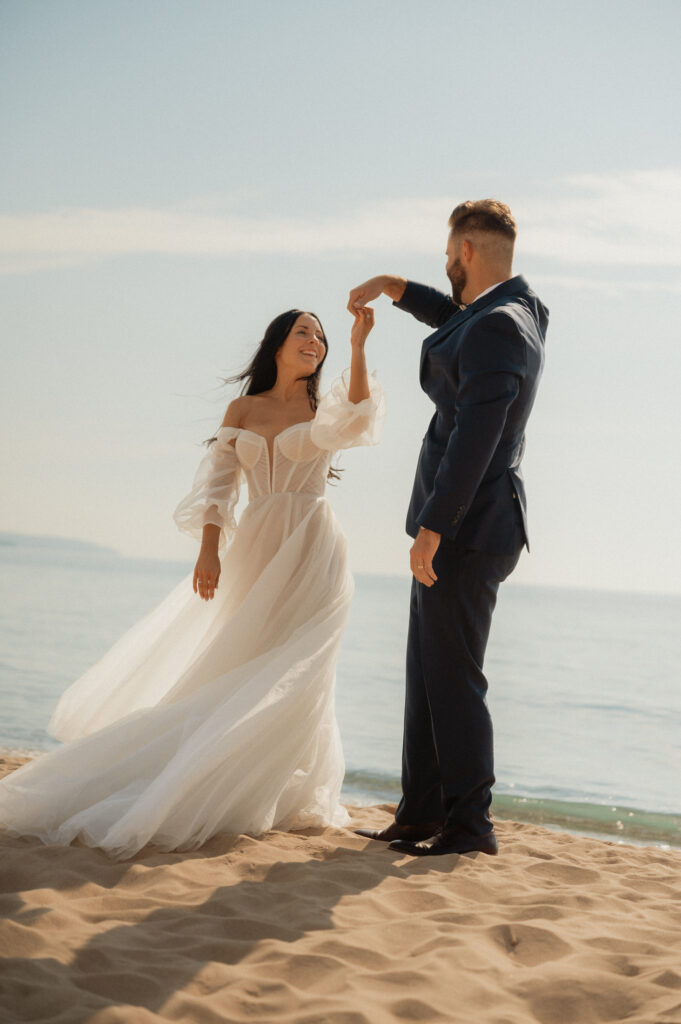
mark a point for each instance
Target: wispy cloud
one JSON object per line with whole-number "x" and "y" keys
{"x": 92, "y": 233}
{"x": 631, "y": 219}
{"x": 610, "y": 285}
{"x": 610, "y": 221}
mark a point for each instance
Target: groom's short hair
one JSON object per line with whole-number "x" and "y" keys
{"x": 488, "y": 215}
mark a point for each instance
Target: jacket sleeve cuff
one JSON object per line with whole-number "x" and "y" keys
{"x": 408, "y": 299}
{"x": 446, "y": 521}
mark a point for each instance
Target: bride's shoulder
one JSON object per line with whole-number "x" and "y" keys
{"x": 237, "y": 410}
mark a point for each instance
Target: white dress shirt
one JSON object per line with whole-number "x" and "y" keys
{"x": 491, "y": 287}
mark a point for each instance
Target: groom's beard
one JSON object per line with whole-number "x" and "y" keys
{"x": 457, "y": 277}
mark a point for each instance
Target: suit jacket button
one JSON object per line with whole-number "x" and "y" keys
{"x": 515, "y": 495}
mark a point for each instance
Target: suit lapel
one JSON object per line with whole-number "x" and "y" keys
{"x": 452, "y": 324}
{"x": 515, "y": 285}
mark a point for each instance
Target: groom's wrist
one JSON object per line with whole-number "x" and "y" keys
{"x": 393, "y": 286}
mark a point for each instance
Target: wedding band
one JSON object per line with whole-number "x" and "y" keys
{"x": 420, "y": 565}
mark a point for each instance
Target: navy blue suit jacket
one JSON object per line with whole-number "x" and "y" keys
{"x": 481, "y": 369}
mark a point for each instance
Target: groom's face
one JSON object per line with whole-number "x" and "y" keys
{"x": 455, "y": 270}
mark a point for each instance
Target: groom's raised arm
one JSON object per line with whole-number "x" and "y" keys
{"x": 426, "y": 304}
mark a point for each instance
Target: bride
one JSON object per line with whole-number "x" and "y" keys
{"x": 217, "y": 715}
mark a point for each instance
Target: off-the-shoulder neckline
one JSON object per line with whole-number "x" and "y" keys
{"x": 245, "y": 430}
{"x": 270, "y": 454}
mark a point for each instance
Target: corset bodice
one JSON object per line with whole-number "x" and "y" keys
{"x": 297, "y": 463}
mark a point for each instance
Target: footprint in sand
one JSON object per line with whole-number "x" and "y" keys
{"x": 567, "y": 874}
{"x": 528, "y": 946}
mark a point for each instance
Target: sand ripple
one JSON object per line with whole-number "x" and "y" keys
{"x": 324, "y": 927}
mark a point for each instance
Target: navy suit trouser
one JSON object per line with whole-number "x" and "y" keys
{"x": 447, "y": 756}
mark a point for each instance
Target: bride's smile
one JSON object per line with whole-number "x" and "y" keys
{"x": 304, "y": 348}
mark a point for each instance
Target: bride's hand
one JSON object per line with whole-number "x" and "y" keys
{"x": 364, "y": 321}
{"x": 206, "y": 574}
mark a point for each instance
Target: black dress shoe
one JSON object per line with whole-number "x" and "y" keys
{"x": 448, "y": 842}
{"x": 400, "y": 832}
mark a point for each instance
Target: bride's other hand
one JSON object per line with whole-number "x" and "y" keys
{"x": 364, "y": 322}
{"x": 206, "y": 574}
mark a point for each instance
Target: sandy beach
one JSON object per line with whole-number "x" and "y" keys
{"x": 324, "y": 927}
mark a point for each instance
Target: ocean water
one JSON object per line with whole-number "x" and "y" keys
{"x": 584, "y": 685}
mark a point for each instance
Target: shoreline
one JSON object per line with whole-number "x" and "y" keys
{"x": 322, "y": 926}
{"x": 622, "y": 824}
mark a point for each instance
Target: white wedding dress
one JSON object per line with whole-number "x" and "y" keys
{"x": 217, "y": 716}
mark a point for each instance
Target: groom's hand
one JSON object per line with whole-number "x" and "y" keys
{"x": 421, "y": 556}
{"x": 390, "y": 284}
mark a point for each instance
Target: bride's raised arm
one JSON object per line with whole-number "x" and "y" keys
{"x": 358, "y": 389}
{"x": 352, "y": 412}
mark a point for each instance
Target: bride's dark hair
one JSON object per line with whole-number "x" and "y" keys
{"x": 261, "y": 373}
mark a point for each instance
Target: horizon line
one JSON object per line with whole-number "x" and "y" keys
{"x": 58, "y": 540}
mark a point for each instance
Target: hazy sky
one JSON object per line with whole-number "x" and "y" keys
{"x": 174, "y": 174}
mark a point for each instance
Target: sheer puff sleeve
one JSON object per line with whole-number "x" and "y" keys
{"x": 340, "y": 423}
{"x": 215, "y": 490}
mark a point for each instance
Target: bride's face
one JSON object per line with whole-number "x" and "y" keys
{"x": 304, "y": 347}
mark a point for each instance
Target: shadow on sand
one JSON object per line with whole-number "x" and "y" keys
{"x": 200, "y": 921}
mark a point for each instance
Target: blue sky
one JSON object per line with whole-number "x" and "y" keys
{"x": 175, "y": 174}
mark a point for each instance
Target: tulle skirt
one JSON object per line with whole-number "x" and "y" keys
{"x": 207, "y": 717}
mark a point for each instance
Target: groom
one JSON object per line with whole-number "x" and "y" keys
{"x": 481, "y": 368}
